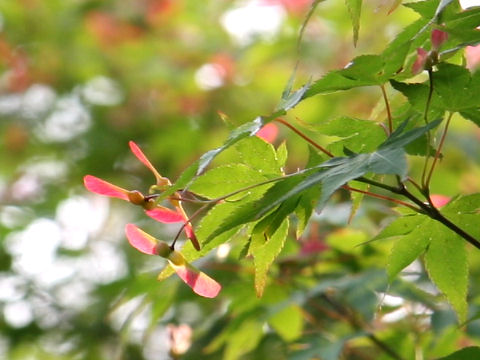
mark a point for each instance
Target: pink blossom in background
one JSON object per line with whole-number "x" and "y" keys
{"x": 439, "y": 200}
{"x": 268, "y": 133}
{"x": 313, "y": 246}
{"x": 472, "y": 54}
{"x": 180, "y": 338}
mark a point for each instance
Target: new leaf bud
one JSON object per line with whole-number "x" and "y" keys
{"x": 438, "y": 37}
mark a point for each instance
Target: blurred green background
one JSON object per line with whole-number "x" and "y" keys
{"x": 80, "y": 78}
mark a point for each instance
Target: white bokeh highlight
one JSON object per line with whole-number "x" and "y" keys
{"x": 102, "y": 90}
{"x": 252, "y": 20}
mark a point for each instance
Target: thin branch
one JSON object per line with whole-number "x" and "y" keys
{"x": 430, "y": 93}
{"x": 425, "y": 208}
{"x": 378, "y": 184}
{"x": 387, "y": 106}
{"x": 425, "y": 117}
{"x": 319, "y": 147}
{"x": 425, "y": 167}
{"x": 414, "y": 183}
{"x": 434, "y": 214}
{"x": 384, "y": 128}
{"x": 437, "y": 153}
{"x": 357, "y": 325}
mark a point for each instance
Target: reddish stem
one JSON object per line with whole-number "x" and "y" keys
{"x": 305, "y": 137}
{"x": 383, "y": 197}
{"x": 187, "y": 221}
{"x": 437, "y": 153}
{"x": 425, "y": 116}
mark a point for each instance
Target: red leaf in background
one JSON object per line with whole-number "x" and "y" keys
{"x": 268, "y": 133}
{"x": 165, "y": 215}
{"x": 109, "y": 30}
{"x": 439, "y": 200}
{"x": 296, "y": 7}
{"x": 201, "y": 283}
{"x": 15, "y": 138}
{"x": 313, "y": 246}
{"x": 159, "y": 11}
{"x": 191, "y": 105}
{"x": 17, "y": 76}
{"x": 102, "y": 187}
{"x": 140, "y": 240}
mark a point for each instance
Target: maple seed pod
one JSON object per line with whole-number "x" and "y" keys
{"x": 176, "y": 258}
{"x": 136, "y": 197}
{"x": 149, "y": 204}
{"x": 163, "y": 182}
{"x": 163, "y": 250}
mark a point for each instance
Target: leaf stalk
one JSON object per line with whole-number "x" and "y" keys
{"x": 437, "y": 153}
{"x": 425, "y": 117}
{"x": 305, "y": 137}
{"x": 387, "y": 107}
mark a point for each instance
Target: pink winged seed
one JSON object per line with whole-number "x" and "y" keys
{"x": 190, "y": 233}
{"x": 102, "y": 187}
{"x": 201, "y": 283}
{"x": 141, "y": 156}
{"x": 165, "y": 215}
{"x": 140, "y": 240}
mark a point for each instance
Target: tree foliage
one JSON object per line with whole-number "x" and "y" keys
{"x": 342, "y": 224}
